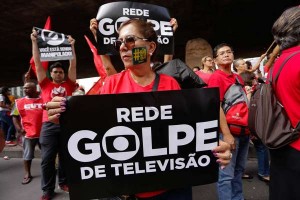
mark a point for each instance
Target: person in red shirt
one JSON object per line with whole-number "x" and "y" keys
{"x": 285, "y": 161}
{"x": 137, "y": 34}
{"x": 27, "y": 118}
{"x": 49, "y": 139}
{"x": 230, "y": 179}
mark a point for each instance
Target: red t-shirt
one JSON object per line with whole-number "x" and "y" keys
{"x": 123, "y": 83}
{"x": 50, "y": 90}
{"x": 31, "y": 112}
{"x": 287, "y": 88}
{"x": 223, "y": 81}
{"x": 204, "y": 76}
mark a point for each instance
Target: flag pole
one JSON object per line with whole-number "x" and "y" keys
{"x": 270, "y": 47}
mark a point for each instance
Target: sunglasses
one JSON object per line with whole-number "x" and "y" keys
{"x": 129, "y": 41}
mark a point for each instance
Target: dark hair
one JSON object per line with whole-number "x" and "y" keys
{"x": 247, "y": 77}
{"x": 4, "y": 90}
{"x": 146, "y": 29}
{"x": 249, "y": 64}
{"x": 286, "y": 29}
{"x": 56, "y": 65}
{"x": 219, "y": 46}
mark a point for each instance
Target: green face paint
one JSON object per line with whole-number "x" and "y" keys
{"x": 139, "y": 55}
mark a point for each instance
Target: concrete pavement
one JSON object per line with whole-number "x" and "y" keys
{"x": 11, "y": 173}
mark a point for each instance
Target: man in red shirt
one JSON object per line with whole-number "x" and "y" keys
{"x": 49, "y": 139}
{"x": 285, "y": 161}
{"x": 27, "y": 117}
{"x": 230, "y": 179}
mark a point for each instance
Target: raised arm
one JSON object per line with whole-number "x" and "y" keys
{"x": 256, "y": 66}
{"x": 174, "y": 24}
{"x": 94, "y": 27}
{"x": 108, "y": 66}
{"x": 272, "y": 58}
{"x": 72, "y": 66}
{"x": 40, "y": 71}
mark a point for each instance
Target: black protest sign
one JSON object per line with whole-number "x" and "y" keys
{"x": 111, "y": 15}
{"x": 53, "y": 46}
{"x": 138, "y": 142}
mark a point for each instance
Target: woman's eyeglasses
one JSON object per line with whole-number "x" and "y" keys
{"x": 129, "y": 41}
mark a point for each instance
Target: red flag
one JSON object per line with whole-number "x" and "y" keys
{"x": 97, "y": 60}
{"x": 46, "y": 63}
{"x": 96, "y": 88}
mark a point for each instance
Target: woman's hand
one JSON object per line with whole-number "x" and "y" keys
{"x": 54, "y": 107}
{"x": 94, "y": 27}
{"x": 223, "y": 153}
{"x": 228, "y": 138}
{"x": 174, "y": 24}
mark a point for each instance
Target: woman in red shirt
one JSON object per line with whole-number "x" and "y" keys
{"x": 137, "y": 45}
{"x": 285, "y": 161}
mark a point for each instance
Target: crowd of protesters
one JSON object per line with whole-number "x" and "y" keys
{"x": 215, "y": 70}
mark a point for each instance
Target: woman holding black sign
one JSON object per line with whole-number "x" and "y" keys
{"x": 137, "y": 45}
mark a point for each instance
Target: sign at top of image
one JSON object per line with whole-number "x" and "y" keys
{"x": 111, "y": 15}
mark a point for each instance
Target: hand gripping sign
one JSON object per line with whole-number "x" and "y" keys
{"x": 131, "y": 143}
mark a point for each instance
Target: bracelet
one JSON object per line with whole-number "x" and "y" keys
{"x": 44, "y": 106}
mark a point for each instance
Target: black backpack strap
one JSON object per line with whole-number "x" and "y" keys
{"x": 277, "y": 75}
{"x": 156, "y": 82}
{"x": 237, "y": 81}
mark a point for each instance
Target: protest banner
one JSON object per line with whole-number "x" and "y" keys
{"x": 111, "y": 15}
{"x": 137, "y": 142}
{"x": 53, "y": 46}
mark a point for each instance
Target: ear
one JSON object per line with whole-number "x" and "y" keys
{"x": 152, "y": 48}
